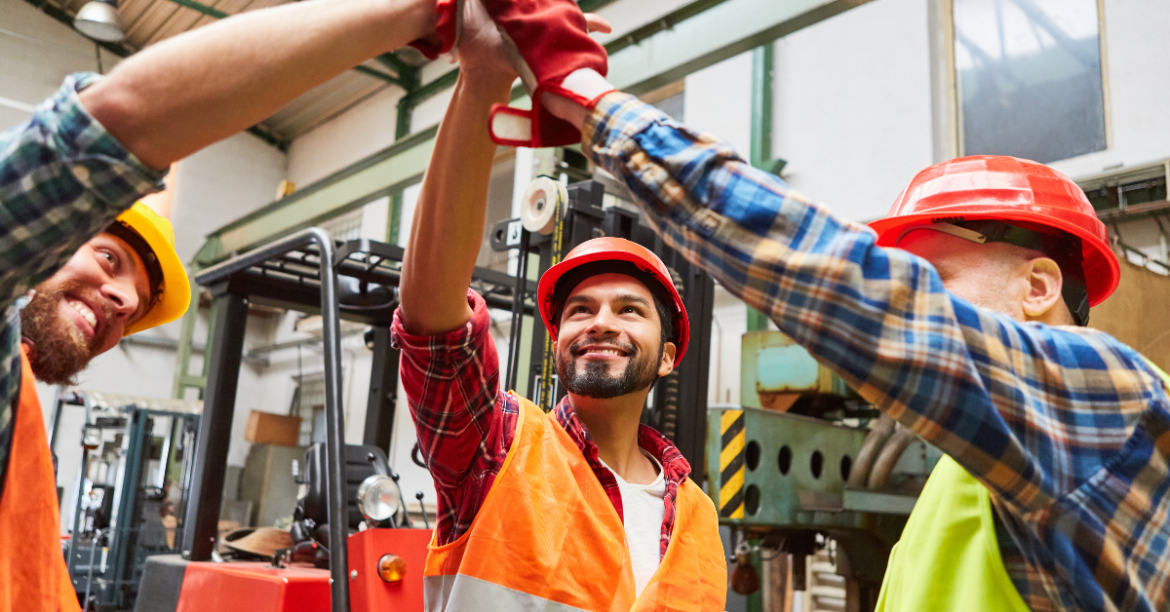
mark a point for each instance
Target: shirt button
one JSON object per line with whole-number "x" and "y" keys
{"x": 81, "y": 173}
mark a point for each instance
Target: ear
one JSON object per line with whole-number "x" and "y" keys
{"x": 666, "y": 366}
{"x": 1044, "y": 285}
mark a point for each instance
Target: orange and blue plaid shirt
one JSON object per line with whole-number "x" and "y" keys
{"x": 1068, "y": 428}
{"x": 466, "y": 423}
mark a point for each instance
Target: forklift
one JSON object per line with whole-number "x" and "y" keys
{"x": 133, "y": 461}
{"x": 353, "y": 548}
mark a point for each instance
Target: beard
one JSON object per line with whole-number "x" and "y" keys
{"x": 59, "y": 348}
{"x": 596, "y": 381}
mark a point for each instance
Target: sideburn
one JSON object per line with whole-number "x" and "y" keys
{"x": 59, "y": 349}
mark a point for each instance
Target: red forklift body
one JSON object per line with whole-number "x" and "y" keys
{"x": 241, "y": 586}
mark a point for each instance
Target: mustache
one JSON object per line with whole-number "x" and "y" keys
{"x": 79, "y": 290}
{"x": 576, "y": 348}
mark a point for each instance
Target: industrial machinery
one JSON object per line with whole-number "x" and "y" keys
{"x": 380, "y": 566}
{"x": 802, "y": 461}
{"x": 132, "y": 465}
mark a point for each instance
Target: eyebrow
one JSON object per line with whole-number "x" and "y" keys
{"x": 625, "y": 298}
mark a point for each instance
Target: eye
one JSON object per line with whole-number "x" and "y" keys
{"x": 632, "y": 310}
{"x": 580, "y": 310}
{"x": 111, "y": 259}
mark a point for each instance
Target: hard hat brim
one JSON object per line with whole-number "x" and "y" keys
{"x": 1102, "y": 271}
{"x": 176, "y": 286}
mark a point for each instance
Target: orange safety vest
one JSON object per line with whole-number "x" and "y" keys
{"x": 547, "y": 537}
{"x": 33, "y": 577}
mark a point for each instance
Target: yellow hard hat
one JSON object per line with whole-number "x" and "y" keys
{"x": 174, "y": 292}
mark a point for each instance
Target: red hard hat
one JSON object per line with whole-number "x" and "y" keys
{"x": 1006, "y": 189}
{"x": 614, "y": 249}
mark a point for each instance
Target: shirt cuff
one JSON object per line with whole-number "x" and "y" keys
{"x": 616, "y": 117}
{"x": 95, "y": 158}
{"x": 470, "y": 335}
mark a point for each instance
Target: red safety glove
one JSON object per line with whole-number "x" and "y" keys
{"x": 447, "y": 30}
{"x": 548, "y": 44}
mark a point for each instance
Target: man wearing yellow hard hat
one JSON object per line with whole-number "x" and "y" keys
{"x": 82, "y": 265}
{"x": 126, "y": 279}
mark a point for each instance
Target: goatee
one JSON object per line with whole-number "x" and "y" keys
{"x": 59, "y": 350}
{"x": 596, "y": 381}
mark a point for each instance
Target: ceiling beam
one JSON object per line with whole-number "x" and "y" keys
{"x": 656, "y": 54}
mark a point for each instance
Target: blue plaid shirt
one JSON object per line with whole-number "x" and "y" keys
{"x": 63, "y": 179}
{"x": 1068, "y": 428}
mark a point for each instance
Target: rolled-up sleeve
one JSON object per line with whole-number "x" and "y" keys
{"x": 463, "y": 421}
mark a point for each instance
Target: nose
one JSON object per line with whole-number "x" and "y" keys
{"x": 122, "y": 297}
{"x": 603, "y": 324}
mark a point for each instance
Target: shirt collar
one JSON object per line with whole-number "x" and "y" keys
{"x": 675, "y": 467}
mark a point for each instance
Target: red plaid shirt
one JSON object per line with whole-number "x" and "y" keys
{"x": 466, "y": 424}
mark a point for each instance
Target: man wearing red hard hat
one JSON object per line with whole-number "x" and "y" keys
{"x": 579, "y": 509}
{"x": 960, "y": 315}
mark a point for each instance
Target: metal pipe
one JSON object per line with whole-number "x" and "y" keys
{"x": 878, "y": 434}
{"x": 335, "y": 449}
{"x": 517, "y": 311}
{"x": 891, "y": 452}
{"x": 334, "y": 417}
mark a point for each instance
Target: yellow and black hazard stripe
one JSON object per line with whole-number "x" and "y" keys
{"x": 731, "y": 465}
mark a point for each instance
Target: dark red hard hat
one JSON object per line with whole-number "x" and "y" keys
{"x": 1006, "y": 189}
{"x": 614, "y": 249}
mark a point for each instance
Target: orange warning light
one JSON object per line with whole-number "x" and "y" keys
{"x": 391, "y": 568}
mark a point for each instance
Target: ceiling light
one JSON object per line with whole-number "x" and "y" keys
{"x": 99, "y": 20}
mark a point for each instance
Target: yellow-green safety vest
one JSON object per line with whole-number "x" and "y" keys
{"x": 951, "y": 529}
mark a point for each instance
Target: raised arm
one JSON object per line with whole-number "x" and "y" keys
{"x": 448, "y": 226}
{"x": 1010, "y": 401}
{"x": 187, "y": 92}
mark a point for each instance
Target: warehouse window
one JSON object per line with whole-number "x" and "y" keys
{"x": 1029, "y": 78}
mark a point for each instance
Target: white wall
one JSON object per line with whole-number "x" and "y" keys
{"x": 853, "y": 106}
{"x": 220, "y": 184}
{"x": 718, "y": 100}
{"x": 352, "y": 136}
{"x": 36, "y": 54}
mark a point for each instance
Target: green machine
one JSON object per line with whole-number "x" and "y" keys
{"x": 802, "y": 460}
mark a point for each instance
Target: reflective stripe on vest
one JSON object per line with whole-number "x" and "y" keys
{"x": 948, "y": 558}
{"x": 548, "y": 538}
{"x": 33, "y": 577}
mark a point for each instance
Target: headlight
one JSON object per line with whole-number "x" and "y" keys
{"x": 378, "y": 498}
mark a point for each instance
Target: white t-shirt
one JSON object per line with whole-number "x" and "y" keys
{"x": 643, "y": 509}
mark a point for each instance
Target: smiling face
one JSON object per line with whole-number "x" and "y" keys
{"x": 610, "y": 338}
{"x": 82, "y": 310}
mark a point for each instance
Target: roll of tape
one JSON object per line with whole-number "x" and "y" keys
{"x": 540, "y": 204}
